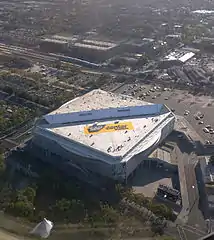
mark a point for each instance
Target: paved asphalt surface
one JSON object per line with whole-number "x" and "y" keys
{"x": 195, "y": 225}
{"x": 179, "y": 101}
{"x": 8, "y": 236}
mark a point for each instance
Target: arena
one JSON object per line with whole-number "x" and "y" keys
{"x": 102, "y": 134}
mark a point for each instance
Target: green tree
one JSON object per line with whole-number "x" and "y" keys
{"x": 69, "y": 210}
{"x": 211, "y": 160}
{"x": 157, "y": 228}
{"x": 63, "y": 205}
{"x": 6, "y": 196}
{"x": 2, "y": 164}
{"x": 109, "y": 214}
{"x": 162, "y": 211}
{"x": 22, "y": 209}
{"x": 30, "y": 194}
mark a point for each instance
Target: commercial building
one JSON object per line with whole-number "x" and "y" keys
{"x": 145, "y": 45}
{"x": 102, "y": 134}
{"x": 176, "y": 58}
{"x": 53, "y": 45}
{"x": 94, "y": 50}
{"x": 88, "y": 48}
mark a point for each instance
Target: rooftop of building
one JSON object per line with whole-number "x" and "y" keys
{"x": 181, "y": 56}
{"x": 95, "y": 44}
{"x": 54, "y": 40}
{"x": 106, "y": 122}
{"x": 98, "y": 99}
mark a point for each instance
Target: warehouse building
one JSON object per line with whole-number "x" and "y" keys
{"x": 176, "y": 58}
{"x": 93, "y": 50}
{"x": 102, "y": 134}
{"x": 53, "y": 45}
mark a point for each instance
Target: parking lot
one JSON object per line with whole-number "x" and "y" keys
{"x": 181, "y": 102}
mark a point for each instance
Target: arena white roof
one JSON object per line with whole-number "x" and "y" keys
{"x": 106, "y": 122}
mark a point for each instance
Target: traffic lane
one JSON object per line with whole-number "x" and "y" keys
{"x": 191, "y": 183}
{"x": 195, "y": 217}
{"x": 187, "y": 176}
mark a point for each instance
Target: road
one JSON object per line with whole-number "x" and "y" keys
{"x": 9, "y": 236}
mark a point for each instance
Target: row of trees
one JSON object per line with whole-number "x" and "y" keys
{"x": 15, "y": 117}
{"x": 29, "y": 86}
{"x": 70, "y": 204}
{"x": 63, "y": 200}
{"x": 160, "y": 210}
{"x": 23, "y": 203}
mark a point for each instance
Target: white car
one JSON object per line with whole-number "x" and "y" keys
{"x": 206, "y": 130}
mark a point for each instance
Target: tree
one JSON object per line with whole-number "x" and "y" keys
{"x": 30, "y": 194}
{"x": 2, "y": 164}
{"x": 65, "y": 209}
{"x": 63, "y": 205}
{"x": 162, "y": 211}
{"x": 108, "y": 214}
{"x": 212, "y": 159}
{"x": 6, "y": 195}
{"x": 157, "y": 228}
{"x": 22, "y": 209}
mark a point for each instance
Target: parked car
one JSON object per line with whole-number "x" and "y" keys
{"x": 206, "y": 130}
